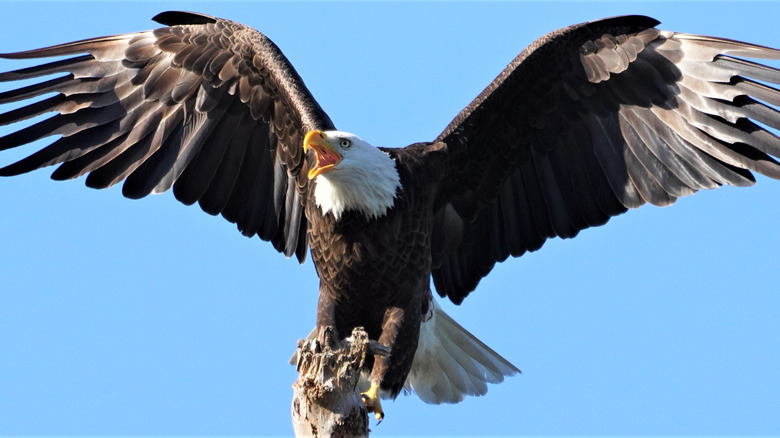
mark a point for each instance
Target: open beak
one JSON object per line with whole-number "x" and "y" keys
{"x": 327, "y": 157}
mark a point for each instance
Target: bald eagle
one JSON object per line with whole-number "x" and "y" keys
{"x": 586, "y": 123}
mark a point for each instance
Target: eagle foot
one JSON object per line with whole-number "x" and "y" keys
{"x": 371, "y": 400}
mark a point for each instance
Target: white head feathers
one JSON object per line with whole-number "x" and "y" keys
{"x": 364, "y": 179}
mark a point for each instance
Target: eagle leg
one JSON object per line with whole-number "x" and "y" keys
{"x": 371, "y": 400}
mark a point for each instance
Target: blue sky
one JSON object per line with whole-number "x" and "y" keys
{"x": 146, "y": 317}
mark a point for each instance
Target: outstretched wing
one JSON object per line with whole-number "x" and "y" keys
{"x": 207, "y": 106}
{"x": 590, "y": 121}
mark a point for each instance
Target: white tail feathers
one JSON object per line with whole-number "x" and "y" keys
{"x": 450, "y": 363}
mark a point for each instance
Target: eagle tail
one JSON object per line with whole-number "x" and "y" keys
{"x": 451, "y": 363}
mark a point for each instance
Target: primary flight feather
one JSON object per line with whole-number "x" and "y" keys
{"x": 587, "y": 122}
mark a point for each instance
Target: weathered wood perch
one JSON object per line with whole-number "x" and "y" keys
{"x": 326, "y": 401}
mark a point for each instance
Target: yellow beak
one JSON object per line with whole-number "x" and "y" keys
{"x": 327, "y": 156}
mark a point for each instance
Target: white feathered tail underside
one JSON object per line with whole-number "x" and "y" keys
{"x": 451, "y": 363}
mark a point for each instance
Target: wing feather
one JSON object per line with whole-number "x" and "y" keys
{"x": 207, "y": 106}
{"x": 218, "y": 192}
{"x": 593, "y": 120}
{"x": 197, "y": 177}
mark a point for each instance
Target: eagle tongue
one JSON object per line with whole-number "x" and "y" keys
{"x": 326, "y": 157}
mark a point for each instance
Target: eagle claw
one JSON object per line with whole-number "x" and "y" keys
{"x": 371, "y": 400}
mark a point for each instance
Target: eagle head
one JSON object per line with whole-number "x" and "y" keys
{"x": 351, "y": 174}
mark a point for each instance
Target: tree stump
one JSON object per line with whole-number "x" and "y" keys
{"x": 326, "y": 402}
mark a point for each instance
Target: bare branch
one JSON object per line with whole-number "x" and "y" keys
{"x": 326, "y": 402}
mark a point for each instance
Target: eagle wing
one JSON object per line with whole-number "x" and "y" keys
{"x": 592, "y": 120}
{"x": 207, "y": 106}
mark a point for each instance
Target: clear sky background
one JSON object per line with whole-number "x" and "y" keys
{"x": 146, "y": 317}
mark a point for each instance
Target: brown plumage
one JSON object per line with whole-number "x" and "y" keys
{"x": 586, "y": 123}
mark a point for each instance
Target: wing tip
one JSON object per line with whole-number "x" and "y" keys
{"x": 631, "y": 20}
{"x": 175, "y": 18}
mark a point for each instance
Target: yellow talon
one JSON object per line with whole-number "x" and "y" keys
{"x": 371, "y": 400}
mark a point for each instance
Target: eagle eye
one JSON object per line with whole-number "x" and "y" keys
{"x": 345, "y": 143}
